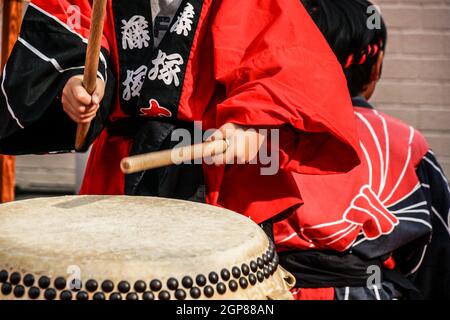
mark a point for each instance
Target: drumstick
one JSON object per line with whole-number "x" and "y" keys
{"x": 91, "y": 63}
{"x": 166, "y": 158}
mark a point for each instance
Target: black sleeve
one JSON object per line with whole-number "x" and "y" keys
{"x": 433, "y": 274}
{"x": 45, "y": 56}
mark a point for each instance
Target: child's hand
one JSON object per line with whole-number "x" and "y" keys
{"x": 79, "y": 105}
{"x": 244, "y": 144}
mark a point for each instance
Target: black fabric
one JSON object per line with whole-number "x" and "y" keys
{"x": 360, "y": 101}
{"x": 179, "y": 182}
{"x": 32, "y": 119}
{"x": 433, "y": 276}
{"x": 408, "y": 287}
{"x": 404, "y": 234}
{"x": 155, "y": 133}
{"x": 267, "y": 227}
{"x": 167, "y": 96}
{"x": 317, "y": 269}
{"x": 384, "y": 291}
{"x": 131, "y": 59}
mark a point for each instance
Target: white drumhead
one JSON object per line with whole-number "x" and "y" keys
{"x": 133, "y": 238}
{"x": 138, "y": 232}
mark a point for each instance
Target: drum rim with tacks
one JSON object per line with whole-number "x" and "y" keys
{"x": 134, "y": 248}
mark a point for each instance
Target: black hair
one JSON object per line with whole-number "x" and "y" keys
{"x": 355, "y": 42}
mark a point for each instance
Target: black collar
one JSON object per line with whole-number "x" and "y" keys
{"x": 360, "y": 101}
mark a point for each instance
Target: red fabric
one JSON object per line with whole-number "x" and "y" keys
{"x": 276, "y": 70}
{"x": 313, "y": 294}
{"x": 389, "y": 263}
{"x": 103, "y": 168}
{"x": 155, "y": 110}
{"x": 268, "y": 66}
{"x": 339, "y": 207}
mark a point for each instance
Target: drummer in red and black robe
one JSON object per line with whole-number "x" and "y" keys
{"x": 166, "y": 64}
{"x": 382, "y": 230}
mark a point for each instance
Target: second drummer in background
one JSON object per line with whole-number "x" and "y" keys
{"x": 390, "y": 238}
{"x": 261, "y": 64}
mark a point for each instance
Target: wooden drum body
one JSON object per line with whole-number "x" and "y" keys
{"x": 101, "y": 247}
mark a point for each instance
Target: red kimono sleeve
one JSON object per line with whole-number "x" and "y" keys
{"x": 278, "y": 70}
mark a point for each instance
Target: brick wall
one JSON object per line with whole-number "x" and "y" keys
{"x": 416, "y": 80}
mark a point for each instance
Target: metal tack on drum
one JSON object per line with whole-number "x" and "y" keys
{"x": 180, "y": 294}
{"x": 107, "y": 286}
{"x": 99, "y": 296}
{"x": 164, "y": 295}
{"x": 124, "y": 286}
{"x": 252, "y": 279}
{"x": 34, "y": 293}
{"x": 155, "y": 285}
{"x": 60, "y": 283}
{"x": 225, "y": 274}
{"x": 91, "y": 285}
{"x": 44, "y": 282}
{"x": 132, "y": 296}
{"x": 3, "y": 276}
{"x": 65, "y": 295}
{"x": 50, "y": 294}
{"x": 6, "y": 288}
{"x": 148, "y": 295}
{"x": 28, "y": 280}
{"x": 233, "y": 285}
{"x": 236, "y": 272}
{"x": 140, "y": 286}
{"x": 82, "y": 295}
{"x": 208, "y": 291}
{"x": 195, "y": 293}
{"x": 213, "y": 277}
{"x": 15, "y": 278}
{"x": 187, "y": 282}
{"x": 221, "y": 288}
{"x": 245, "y": 269}
{"x": 115, "y": 296}
{"x": 19, "y": 291}
{"x": 200, "y": 280}
{"x": 172, "y": 284}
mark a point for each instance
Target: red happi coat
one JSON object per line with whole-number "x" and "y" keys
{"x": 259, "y": 63}
{"x": 343, "y": 211}
{"x": 392, "y": 202}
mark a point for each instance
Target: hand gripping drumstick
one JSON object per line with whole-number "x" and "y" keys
{"x": 166, "y": 158}
{"x": 91, "y": 64}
